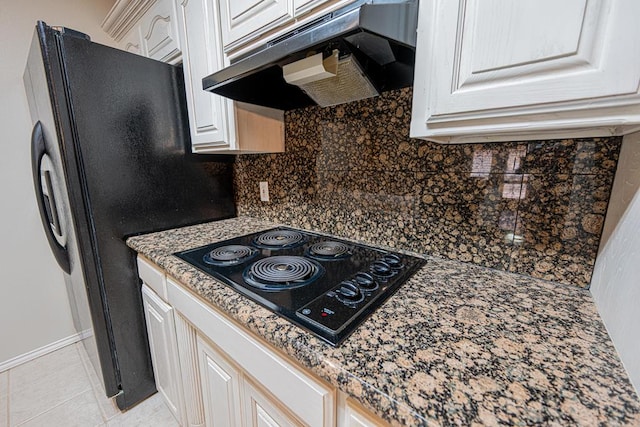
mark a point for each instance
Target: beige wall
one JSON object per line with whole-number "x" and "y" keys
{"x": 616, "y": 277}
{"x": 34, "y": 311}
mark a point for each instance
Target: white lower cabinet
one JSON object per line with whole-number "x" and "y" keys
{"x": 220, "y": 384}
{"x": 261, "y": 409}
{"x": 164, "y": 350}
{"x": 212, "y": 372}
{"x": 351, "y": 414}
{"x": 231, "y": 399}
{"x": 282, "y": 390}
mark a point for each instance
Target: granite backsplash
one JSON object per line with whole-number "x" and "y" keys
{"x": 532, "y": 207}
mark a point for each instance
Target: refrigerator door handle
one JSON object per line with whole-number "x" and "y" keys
{"x": 43, "y": 180}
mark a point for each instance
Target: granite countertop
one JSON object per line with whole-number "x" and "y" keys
{"x": 458, "y": 344}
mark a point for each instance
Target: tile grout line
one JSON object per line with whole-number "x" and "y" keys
{"x": 94, "y": 391}
{"x": 103, "y": 413}
{"x": 52, "y": 408}
{"x": 59, "y": 404}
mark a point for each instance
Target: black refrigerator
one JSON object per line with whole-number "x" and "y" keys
{"x": 111, "y": 159}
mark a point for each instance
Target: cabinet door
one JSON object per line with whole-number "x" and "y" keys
{"x": 160, "y": 32}
{"x": 245, "y": 19}
{"x": 498, "y": 58}
{"x": 309, "y": 400}
{"x": 355, "y": 416}
{"x": 164, "y": 350}
{"x": 190, "y": 369}
{"x": 527, "y": 52}
{"x": 263, "y": 410}
{"x": 301, "y": 6}
{"x": 220, "y": 383}
{"x": 132, "y": 41}
{"x": 211, "y": 118}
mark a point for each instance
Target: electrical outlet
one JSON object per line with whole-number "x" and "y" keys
{"x": 264, "y": 191}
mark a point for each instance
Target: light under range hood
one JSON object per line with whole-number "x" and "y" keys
{"x": 372, "y": 40}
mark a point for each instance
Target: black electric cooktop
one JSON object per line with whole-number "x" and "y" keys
{"x": 323, "y": 284}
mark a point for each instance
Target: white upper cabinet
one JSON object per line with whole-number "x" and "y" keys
{"x": 132, "y": 41}
{"x": 249, "y": 24}
{"x": 495, "y": 69}
{"x": 145, "y": 27}
{"x": 241, "y": 18}
{"x": 159, "y": 30}
{"x": 210, "y": 116}
{"x": 217, "y": 124}
{"x": 189, "y": 31}
{"x": 301, "y": 6}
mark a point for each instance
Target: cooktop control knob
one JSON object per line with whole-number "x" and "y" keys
{"x": 349, "y": 293}
{"x": 366, "y": 282}
{"x": 394, "y": 261}
{"x": 382, "y": 269}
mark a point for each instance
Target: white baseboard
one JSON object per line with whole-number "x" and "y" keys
{"x": 34, "y": 354}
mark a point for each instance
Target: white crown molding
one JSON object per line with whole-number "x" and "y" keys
{"x": 123, "y": 16}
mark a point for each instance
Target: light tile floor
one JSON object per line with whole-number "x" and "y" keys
{"x": 59, "y": 389}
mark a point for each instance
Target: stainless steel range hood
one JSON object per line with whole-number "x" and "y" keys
{"x": 373, "y": 41}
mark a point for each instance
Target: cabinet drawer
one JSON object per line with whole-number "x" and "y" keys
{"x": 308, "y": 399}
{"x": 152, "y": 277}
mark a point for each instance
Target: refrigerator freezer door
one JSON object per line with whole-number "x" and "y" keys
{"x": 123, "y": 146}
{"x": 45, "y": 89}
{"x": 52, "y": 196}
{"x": 132, "y": 172}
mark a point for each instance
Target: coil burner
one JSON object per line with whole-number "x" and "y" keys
{"x": 321, "y": 283}
{"x": 279, "y": 239}
{"x": 329, "y": 250}
{"x": 229, "y": 255}
{"x": 282, "y": 272}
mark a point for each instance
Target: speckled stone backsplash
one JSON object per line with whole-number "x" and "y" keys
{"x": 533, "y": 207}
